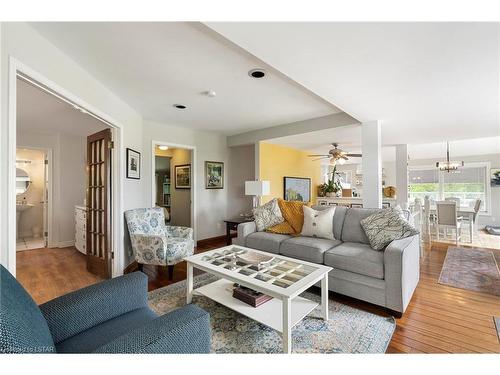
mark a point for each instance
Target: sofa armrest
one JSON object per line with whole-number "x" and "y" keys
{"x": 186, "y": 330}
{"x": 78, "y": 311}
{"x": 244, "y": 229}
{"x": 402, "y": 271}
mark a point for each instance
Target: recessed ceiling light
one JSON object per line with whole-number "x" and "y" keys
{"x": 211, "y": 93}
{"x": 257, "y": 73}
{"x": 163, "y": 148}
{"x": 180, "y": 106}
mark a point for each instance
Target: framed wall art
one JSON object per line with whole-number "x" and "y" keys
{"x": 214, "y": 175}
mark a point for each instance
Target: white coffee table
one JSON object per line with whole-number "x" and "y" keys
{"x": 283, "y": 278}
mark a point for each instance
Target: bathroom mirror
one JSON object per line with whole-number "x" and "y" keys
{"x": 23, "y": 181}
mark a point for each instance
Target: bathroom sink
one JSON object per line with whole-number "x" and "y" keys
{"x": 20, "y": 208}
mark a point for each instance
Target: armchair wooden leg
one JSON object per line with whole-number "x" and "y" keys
{"x": 140, "y": 266}
{"x": 170, "y": 272}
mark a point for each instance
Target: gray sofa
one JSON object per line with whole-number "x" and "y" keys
{"x": 385, "y": 278}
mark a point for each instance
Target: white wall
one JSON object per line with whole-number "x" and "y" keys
{"x": 241, "y": 168}
{"x": 211, "y": 205}
{"x": 20, "y": 41}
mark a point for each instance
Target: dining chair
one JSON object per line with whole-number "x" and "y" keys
{"x": 477, "y": 207}
{"x": 453, "y": 199}
{"x": 446, "y": 213}
{"x": 428, "y": 219}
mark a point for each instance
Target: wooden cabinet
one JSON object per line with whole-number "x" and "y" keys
{"x": 81, "y": 229}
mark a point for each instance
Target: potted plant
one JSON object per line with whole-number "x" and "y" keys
{"x": 333, "y": 186}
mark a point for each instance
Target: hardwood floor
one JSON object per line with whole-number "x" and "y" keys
{"x": 49, "y": 273}
{"x": 439, "y": 319}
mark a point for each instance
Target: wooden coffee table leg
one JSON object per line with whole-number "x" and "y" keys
{"x": 324, "y": 297}
{"x": 287, "y": 322}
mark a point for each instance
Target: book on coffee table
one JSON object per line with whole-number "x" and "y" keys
{"x": 250, "y": 296}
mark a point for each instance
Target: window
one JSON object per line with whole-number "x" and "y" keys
{"x": 468, "y": 183}
{"x": 424, "y": 181}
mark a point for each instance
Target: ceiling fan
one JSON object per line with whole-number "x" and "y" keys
{"x": 336, "y": 155}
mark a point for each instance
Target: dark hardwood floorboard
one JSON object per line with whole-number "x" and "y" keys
{"x": 439, "y": 319}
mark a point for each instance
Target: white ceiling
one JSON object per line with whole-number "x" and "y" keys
{"x": 152, "y": 66}
{"x": 349, "y": 139}
{"x": 41, "y": 112}
{"x": 426, "y": 82}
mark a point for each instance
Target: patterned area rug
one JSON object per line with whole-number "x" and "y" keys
{"x": 349, "y": 330}
{"x": 471, "y": 269}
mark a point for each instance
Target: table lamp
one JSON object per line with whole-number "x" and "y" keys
{"x": 257, "y": 189}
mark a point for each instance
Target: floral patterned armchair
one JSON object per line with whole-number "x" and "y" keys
{"x": 155, "y": 243}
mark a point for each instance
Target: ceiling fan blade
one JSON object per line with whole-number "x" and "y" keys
{"x": 316, "y": 156}
{"x": 355, "y": 155}
{"x": 344, "y": 157}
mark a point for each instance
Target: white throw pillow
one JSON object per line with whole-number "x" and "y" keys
{"x": 318, "y": 223}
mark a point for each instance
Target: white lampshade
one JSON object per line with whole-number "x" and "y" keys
{"x": 257, "y": 188}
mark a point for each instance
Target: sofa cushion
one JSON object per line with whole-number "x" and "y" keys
{"x": 338, "y": 218}
{"x": 93, "y": 338}
{"x": 265, "y": 241}
{"x": 23, "y": 327}
{"x": 358, "y": 258}
{"x": 307, "y": 248}
{"x": 352, "y": 231}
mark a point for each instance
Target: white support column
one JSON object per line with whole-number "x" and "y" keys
{"x": 372, "y": 164}
{"x": 402, "y": 175}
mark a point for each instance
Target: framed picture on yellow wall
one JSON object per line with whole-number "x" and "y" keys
{"x": 297, "y": 189}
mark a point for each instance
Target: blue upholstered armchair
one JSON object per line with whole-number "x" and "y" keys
{"x": 155, "y": 243}
{"x": 109, "y": 317}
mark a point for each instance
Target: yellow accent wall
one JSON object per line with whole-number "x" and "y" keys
{"x": 276, "y": 162}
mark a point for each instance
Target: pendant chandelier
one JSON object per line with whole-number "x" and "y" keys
{"x": 448, "y": 165}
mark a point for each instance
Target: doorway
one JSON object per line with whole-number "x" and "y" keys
{"x": 32, "y": 196}
{"x": 67, "y": 183}
{"x": 172, "y": 185}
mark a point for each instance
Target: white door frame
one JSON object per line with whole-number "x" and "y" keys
{"x": 193, "y": 177}
{"x": 50, "y": 196}
{"x": 118, "y": 161}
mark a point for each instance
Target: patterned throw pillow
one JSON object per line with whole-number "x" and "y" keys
{"x": 318, "y": 223}
{"x": 386, "y": 226}
{"x": 293, "y": 214}
{"x": 267, "y": 215}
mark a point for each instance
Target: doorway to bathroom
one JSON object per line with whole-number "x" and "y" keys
{"x": 32, "y": 197}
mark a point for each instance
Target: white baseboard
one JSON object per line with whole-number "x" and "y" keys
{"x": 65, "y": 243}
